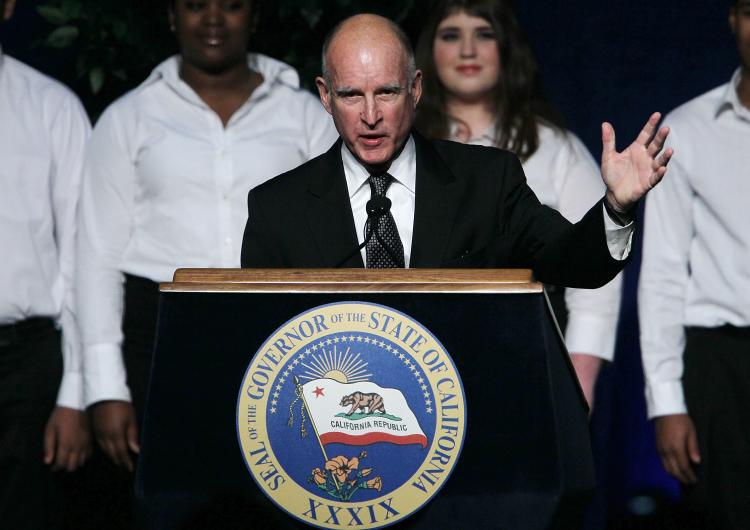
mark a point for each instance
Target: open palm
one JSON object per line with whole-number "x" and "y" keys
{"x": 630, "y": 174}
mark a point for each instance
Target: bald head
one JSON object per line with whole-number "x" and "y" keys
{"x": 371, "y": 87}
{"x": 367, "y": 32}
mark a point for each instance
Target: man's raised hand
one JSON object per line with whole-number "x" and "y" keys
{"x": 629, "y": 175}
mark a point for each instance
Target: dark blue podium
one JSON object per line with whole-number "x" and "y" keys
{"x": 526, "y": 461}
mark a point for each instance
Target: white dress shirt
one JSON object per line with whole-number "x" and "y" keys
{"x": 43, "y": 131}
{"x": 402, "y": 195}
{"x": 564, "y": 176}
{"x": 165, "y": 186}
{"x": 696, "y": 248}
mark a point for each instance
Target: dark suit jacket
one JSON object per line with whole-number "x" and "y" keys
{"x": 473, "y": 209}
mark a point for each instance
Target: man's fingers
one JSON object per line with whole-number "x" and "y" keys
{"x": 121, "y": 450}
{"x": 665, "y": 157}
{"x": 116, "y": 420}
{"x": 61, "y": 459}
{"x": 657, "y": 176}
{"x": 692, "y": 448}
{"x": 669, "y": 464}
{"x": 658, "y": 142}
{"x": 684, "y": 469}
{"x": 647, "y": 133}
{"x": 676, "y": 464}
{"x": 108, "y": 448}
{"x": 50, "y": 439}
{"x": 123, "y": 457}
{"x": 132, "y": 436}
{"x": 72, "y": 463}
{"x": 608, "y": 141}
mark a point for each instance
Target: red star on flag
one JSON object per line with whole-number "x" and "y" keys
{"x": 318, "y": 392}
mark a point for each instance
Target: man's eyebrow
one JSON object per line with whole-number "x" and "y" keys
{"x": 345, "y": 91}
{"x": 392, "y": 87}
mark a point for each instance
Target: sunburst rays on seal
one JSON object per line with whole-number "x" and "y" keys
{"x": 344, "y": 367}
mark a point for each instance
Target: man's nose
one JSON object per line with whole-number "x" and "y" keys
{"x": 371, "y": 113}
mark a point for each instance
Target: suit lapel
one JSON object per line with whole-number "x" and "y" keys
{"x": 329, "y": 212}
{"x": 436, "y": 206}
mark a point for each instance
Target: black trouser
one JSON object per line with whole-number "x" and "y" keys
{"x": 717, "y": 390}
{"x": 106, "y": 492}
{"x": 30, "y": 374}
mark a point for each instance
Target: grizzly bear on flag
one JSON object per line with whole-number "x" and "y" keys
{"x": 358, "y": 400}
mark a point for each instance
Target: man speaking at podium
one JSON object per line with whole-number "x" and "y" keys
{"x": 383, "y": 196}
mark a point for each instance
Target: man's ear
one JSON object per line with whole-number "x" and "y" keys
{"x": 733, "y": 20}
{"x": 324, "y": 93}
{"x": 416, "y": 87}
{"x": 8, "y": 11}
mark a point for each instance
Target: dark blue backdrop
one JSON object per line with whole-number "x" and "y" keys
{"x": 615, "y": 61}
{"x": 619, "y": 61}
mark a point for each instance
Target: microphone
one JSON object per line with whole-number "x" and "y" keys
{"x": 376, "y": 207}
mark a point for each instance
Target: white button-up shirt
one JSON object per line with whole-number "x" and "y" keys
{"x": 165, "y": 186}
{"x": 401, "y": 193}
{"x": 696, "y": 247}
{"x": 43, "y": 131}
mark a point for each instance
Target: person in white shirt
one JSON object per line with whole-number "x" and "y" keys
{"x": 694, "y": 302}
{"x": 165, "y": 184}
{"x": 43, "y": 428}
{"x": 479, "y": 81}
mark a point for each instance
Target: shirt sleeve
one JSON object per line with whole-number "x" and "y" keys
{"x": 592, "y": 313}
{"x": 661, "y": 294}
{"x": 69, "y": 132}
{"x": 319, "y": 128}
{"x": 105, "y": 224}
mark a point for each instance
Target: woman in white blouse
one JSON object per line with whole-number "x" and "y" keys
{"x": 165, "y": 186}
{"x": 479, "y": 82}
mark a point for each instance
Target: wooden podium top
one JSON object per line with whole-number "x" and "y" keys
{"x": 353, "y": 280}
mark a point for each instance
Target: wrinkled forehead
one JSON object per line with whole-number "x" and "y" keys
{"x": 351, "y": 60}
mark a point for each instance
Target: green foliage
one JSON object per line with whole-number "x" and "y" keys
{"x": 111, "y": 44}
{"x": 114, "y": 44}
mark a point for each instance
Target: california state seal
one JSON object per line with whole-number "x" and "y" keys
{"x": 351, "y": 414}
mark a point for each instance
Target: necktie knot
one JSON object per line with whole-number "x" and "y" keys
{"x": 379, "y": 183}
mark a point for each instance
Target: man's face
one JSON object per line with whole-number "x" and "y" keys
{"x": 739, "y": 21}
{"x": 370, "y": 97}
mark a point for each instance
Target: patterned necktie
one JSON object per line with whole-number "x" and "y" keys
{"x": 392, "y": 254}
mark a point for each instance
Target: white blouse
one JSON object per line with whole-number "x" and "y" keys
{"x": 165, "y": 186}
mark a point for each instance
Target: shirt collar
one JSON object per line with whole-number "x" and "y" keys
{"x": 273, "y": 72}
{"x": 403, "y": 168}
{"x": 487, "y": 137}
{"x": 2, "y": 59}
{"x": 730, "y": 99}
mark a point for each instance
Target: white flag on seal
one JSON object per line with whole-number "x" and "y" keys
{"x": 361, "y": 413}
